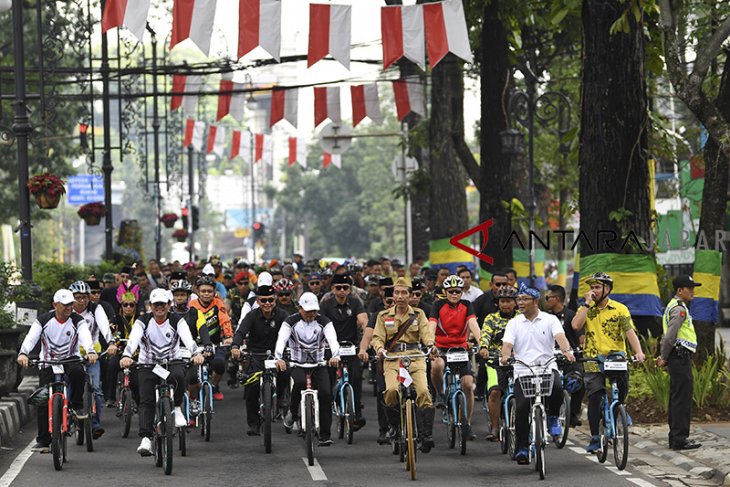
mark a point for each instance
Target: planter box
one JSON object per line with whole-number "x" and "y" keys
{"x": 8, "y": 372}
{"x": 10, "y": 338}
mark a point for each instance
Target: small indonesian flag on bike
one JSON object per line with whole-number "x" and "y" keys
{"x": 404, "y": 376}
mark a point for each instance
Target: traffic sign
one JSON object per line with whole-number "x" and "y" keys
{"x": 335, "y": 139}
{"x": 411, "y": 164}
{"x": 85, "y": 188}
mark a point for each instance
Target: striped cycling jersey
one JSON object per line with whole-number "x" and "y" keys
{"x": 159, "y": 341}
{"x": 306, "y": 339}
{"x": 58, "y": 340}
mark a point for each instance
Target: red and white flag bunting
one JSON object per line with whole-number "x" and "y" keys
{"x": 216, "y": 140}
{"x": 193, "y": 19}
{"x": 131, "y": 14}
{"x": 402, "y": 31}
{"x": 190, "y": 85}
{"x": 284, "y": 106}
{"x": 446, "y": 31}
{"x": 259, "y": 24}
{"x": 230, "y": 103}
{"x": 241, "y": 146}
{"x": 334, "y": 159}
{"x": 404, "y": 377}
{"x": 329, "y": 33}
{"x": 297, "y": 151}
{"x": 194, "y": 134}
{"x": 365, "y": 103}
{"x": 409, "y": 97}
{"x": 327, "y": 104}
{"x": 263, "y": 148}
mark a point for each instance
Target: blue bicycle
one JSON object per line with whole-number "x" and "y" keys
{"x": 455, "y": 413}
{"x": 201, "y": 408}
{"x": 343, "y": 406}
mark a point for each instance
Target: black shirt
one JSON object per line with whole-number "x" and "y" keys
{"x": 261, "y": 332}
{"x": 484, "y": 305}
{"x": 343, "y": 317}
{"x": 566, "y": 318}
{"x": 373, "y": 311}
{"x": 425, "y": 307}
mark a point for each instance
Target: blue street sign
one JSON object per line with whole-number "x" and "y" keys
{"x": 85, "y": 188}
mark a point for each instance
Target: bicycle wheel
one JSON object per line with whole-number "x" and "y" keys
{"x": 564, "y": 421}
{"x": 338, "y": 411}
{"x": 126, "y": 412}
{"x": 538, "y": 425}
{"x": 267, "y": 412}
{"x": 410, "y": 439}
{"x": 80, "y": 431}
{"x": 349, "y": 415}
{"x": 461, "y": 422}
{"x": 512, "y": 408}
{"x": 182, "y": 441}
{"x": 309, "y": 435}
{"x": 56, "y": 435}
{"x": 621, "y": 437}
{"x": 167, "y": 431}
{"x": 503, "y": 429}
{"x": 603, "y": 452}
{"x": 206, "y": 411}
{"x": 89, "y": 408}
{"x": 451, "y": 414}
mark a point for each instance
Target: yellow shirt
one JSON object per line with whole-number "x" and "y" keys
{"x": 606, "y": 331}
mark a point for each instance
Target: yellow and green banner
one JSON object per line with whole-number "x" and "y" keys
{"x": 443, "y": 254}
{"x": 707, "y": 271}
{"x": 521, "y": 264}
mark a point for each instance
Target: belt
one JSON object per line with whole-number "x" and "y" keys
{"x": 402, "y": 347}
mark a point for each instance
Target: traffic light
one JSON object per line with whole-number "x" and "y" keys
{"x": 196, "y": 218}
{"x": 184, "y": 214}
{"x": 258, "y": 231}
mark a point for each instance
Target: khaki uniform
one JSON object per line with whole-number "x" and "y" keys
{"x": 386, "y": 327}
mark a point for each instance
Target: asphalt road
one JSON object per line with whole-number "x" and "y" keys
{"x": 232, "y": 458}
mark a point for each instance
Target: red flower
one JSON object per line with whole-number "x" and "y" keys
{"x": 92, "y": 209}
{"x": 180, "y": 233}
{"x": 46, "y": 183}
{"x": 168, "y": 217}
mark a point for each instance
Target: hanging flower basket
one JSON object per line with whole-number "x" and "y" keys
{"x": 180, "y": 234}
{"x": 47, "y": 190}
{"x": 92, "y": 212}
{"x": 168, "y": 219}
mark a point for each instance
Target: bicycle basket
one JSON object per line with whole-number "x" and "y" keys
{"x": 536, "y": 385}
{"x": 39, "y": 397}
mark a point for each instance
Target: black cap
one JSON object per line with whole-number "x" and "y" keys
{"x": 178, "y": 275}
{"x": 126, "y": 270}
{"x": 265, "y": 291}
{"x": 386, "y": 281}
{"x": 417, "y": 283}
{"x": 684, "y": 281}
{"x": 395, "y": 263}
{"x": 388, "y": 292}
{"x": 94, "y": 284}
{"x": 341, "y": 279}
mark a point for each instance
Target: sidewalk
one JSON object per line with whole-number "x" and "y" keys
{"x": 14, "y": 411}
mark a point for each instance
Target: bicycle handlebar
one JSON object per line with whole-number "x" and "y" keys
{"x": 65, "y": 361}
{"x": 308, "y": 366}
{"x": 422, "y": 354}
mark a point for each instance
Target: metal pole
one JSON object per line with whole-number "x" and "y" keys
{"x": 253, "y": 194}
{"x": 156, "y": 142}
{"x": 21, "y": 131}
{"x": 106, "y": 161}
{"x": 531, "y": 172}
{"x": 191, "y": 195}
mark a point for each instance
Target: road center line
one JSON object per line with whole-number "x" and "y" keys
{"x": 618, "y": 472}
{"x": 16, "y": 466}
{"x": 579, "y": 450}
{"x": 640, "y": 482}
{"x": 315, "y": 470}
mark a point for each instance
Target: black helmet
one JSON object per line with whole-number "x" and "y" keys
{"x": 205, "y": 280}
{"x": 181, "y": 285}
{"x": 505, "y": 292}
{"x": 601, "y": 277}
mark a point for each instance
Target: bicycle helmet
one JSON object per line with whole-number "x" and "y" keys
{"x": 205, "y": 280}
{"x": 181, "y": 285}
{"x": 79, "y": 287}
{"x": 283, "y": 285}
{"x": 573, "y": 381}
{"x": 452, "y": 282}
{"x": 601, "y": 277}
{"x": 508, "y": 292}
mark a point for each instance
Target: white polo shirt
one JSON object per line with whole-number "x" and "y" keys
{"x": 471, "y": 294}
{"x": 533, "y": 342}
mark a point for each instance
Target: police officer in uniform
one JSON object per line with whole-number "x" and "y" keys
{"x": 678, "y": 344}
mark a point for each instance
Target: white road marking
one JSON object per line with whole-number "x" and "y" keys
{"x": 569, "y": 443}
{"x": 640, "y": 482}
{"x": 315, "y": 471}
{"x": 618, "y": 472}
{"x": 579, "y": 450}
{"x": 16, "y": 466}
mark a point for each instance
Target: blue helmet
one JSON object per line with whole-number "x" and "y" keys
{"x": 573, "y": 381}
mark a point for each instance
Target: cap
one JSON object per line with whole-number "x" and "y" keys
{"x": 265, "y": 291}
{"x": 189, "y": 265}
{"x": 386, "y": 281}
{"x": 314, "y": 276}
{"x": 177, "y": 275}
{"x": 159, "y": 296}
{"x": 341, "y": 279}
{"x": 109, "y": 277}
{"x": 94, "y": 284}
{"x": 684, "y": 281}
{"x": 395, "y": 263}
{"x": 126, "y": 269}
{"x": 402, "y": 282}
{"x": 239, "y": 277}
{"x": 309, "y": 302}
{"x": 417, "y": 284}
{"x": 265, "y": 279}
{"x": 227, "y": 275}
{"x": 373, "y": 280}
{"x": 63, "y": 296}
{"x": 208, "y": 269}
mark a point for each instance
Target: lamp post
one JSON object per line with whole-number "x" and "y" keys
{"x": 525, "y": 107}
{"x": 251, "y": 105}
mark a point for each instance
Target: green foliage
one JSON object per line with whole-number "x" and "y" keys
{"x": 52, "y": 276}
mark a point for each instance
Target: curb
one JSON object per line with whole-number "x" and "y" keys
{"x": 14, "y": 410}
{"x": 721, "y": 476}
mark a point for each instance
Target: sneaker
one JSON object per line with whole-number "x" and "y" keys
{"x": 180, "y": 421}
{"x": 326, "y": 442}
{"x": 145, "y": 447}
{"x": 288, "y": 421}
{"x": 359, "y": 423}
{"x": 110, "y": 403}
{"x": 97, "y": 433}
{"x": 522, "y": 456}
{"x": 554, "y": 427}
{"x": 595, "y": 445}
{"x": 217, "y": 396}
{"x": 470, "y": 436}
{"x": 253, "y": 430}
{"x": 383, "y": 438}
{"x": 40, "y": 447}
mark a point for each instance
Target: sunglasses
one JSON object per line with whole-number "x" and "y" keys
{"x": 500, "y": 284}
{"x": 266, "y": 300}
{"x": 130, "y": 305}
{"x": 242, "y": 283}
{"x": 417, "y": 294}
{"x": 158, "y": 305}
{"x": 454, "y": 291}
{"x": 285, "y": 294}
{"x": 314, "y": 283}
{"x": 344, "y": 287}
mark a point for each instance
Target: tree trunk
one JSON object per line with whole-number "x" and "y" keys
{"x": 614, "y": 173}
{"x": 496, "y": 185}
{"x": 448, "y": 179}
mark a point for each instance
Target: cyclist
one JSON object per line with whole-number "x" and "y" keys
{"x": 238, "y": 296}
{"x": 121, "y": 326}
{"x": 284, "y": 290}
{"x": 259, "y": 330}
{"x": 608, "y": 324}
{"x": 60, "y": 333}
{"x": 532, "y": 336}
{"x": 219, "y": 327}
{"x": 157, "y": 335}
{"x": 306, "y": 334}
{"x": 416, "y": 300}
{"x": 98, "y": 322}
{"x": 402, "y": 329}
{"x": 314, "y": 284}
{"x": 491, "y": 342}
{"x": 452, "y": 321}
{"x": 349, "y": 318}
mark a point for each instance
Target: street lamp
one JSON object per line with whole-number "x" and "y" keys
{"x": 525, "y": 108}
{"x": 5, "y": 5}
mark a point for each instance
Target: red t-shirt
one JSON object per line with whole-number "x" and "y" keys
{"x": 450, "y": 322}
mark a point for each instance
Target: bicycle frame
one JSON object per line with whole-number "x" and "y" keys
{"x": 309, "y": 391}
{"x": 203, "y": 374}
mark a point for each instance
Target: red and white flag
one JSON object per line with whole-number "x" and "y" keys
{"x": 329, "y": 33}
{"x": 230, "y": 103}
{"x": 404, "y": 377}
{"x": 365, "y": 103}
{"x": 446, "y": 31}
{"x": 190, "y": 85}
{"x": 194, "y": 134}
{"x": 327, "y": 104}
{"x": 409, "y": 97}
{"x": 334, "y": 159}
{"x": 241, "y": 146}
{"x": 402, "y": 32}
{"x": 297, "y": 151}
{"x": 193, "y": 19}
{"x": 131, "y": 14}
{"x": 216, "y": 140}
{"x": 284, "y": 106}
{"x": 263, "y": 148}
{"x": 259, "y": 24}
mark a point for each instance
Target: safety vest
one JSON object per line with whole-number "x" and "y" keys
{"x": 686, "y": 336}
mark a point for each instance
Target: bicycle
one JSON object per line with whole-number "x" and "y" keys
{"x": 61, "y": 419}
{"x": 614, "y": 419}
{"x": 268, "y": 400}
{"x": 507, "y": 409}
{"x": 204, "y": 406}
{"x": 309, "y": 410}
{"x": 124, "y": 399}
{"x": 563, "y": 415}
{"x": 84, "y": 432}
{"x": 405, "y": 446}
{"x": 343, "y": 405}
{"x": 455, "y": 412}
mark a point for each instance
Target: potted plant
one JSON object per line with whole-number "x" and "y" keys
{"x": 180, "y": 234}
{"x": 92, "y": 212}
{"x": 168, "y": 219}
{"x": 47, "y": 189}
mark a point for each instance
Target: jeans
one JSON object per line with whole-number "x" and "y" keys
{"x": 94, "y": 372}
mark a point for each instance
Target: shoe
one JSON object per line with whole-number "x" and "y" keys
{"x": 326, "y": 442}
{"x": 595, "y": 445}
{"x": 491, "y": 435}
{"x": 629, "y": 421}
{"x": 145, "y": 447}
{"x": 288, "y": 421}
{"x": 180, "y": 421}
{"x": 218, "y": 396}
{"x": 575, "y": 422}
{"x": 469, "y": 434}
{"x": 253, "y": 430}
{"x": 110, "y": 403}
{"x": 522, "y": 457}
{"x": 424, "y": 424}
{"x": 554, "y": 427}
{"x": 686, "y": 445}
{"x": 439, "y": 403}
{"x": 478, "y": 398}
{"x": 383, "y": 438}
{"x": 97, "y": 433}
{"x": 359, "y": 423}
{"x": 41, "y": 448}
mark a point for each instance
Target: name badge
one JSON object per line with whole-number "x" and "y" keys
{"x": 161, "y": 372}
